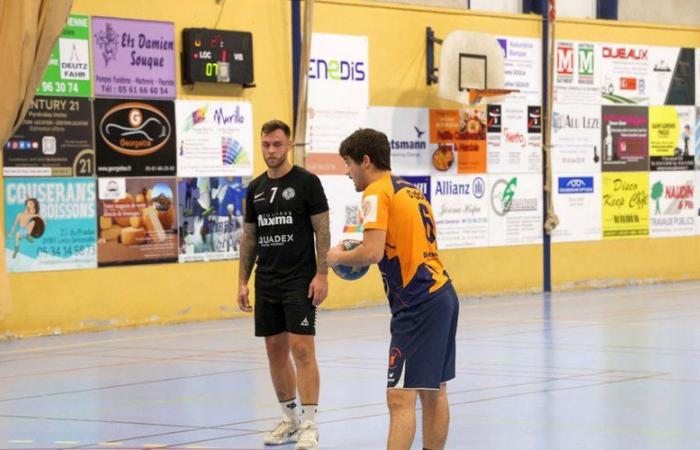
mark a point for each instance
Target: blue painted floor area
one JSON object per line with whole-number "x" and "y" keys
{"x": 608, "y": 369}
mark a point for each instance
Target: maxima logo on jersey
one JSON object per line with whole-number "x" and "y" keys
{"x": 575, "y": 185}
{"x": 282, "y": 219}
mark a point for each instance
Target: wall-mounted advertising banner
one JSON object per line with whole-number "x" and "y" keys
{"x": 672, "y": 208}
{"x": 697, "y": 202}
{"x": 625, "y": 138}
{"x": 577, "y": 78}
{"x": 576, "y": 201}
{"x": 338, "y": 97}
{"x": 135, "y": 137}
{"x": 461, "y": 139}
{"x": 133, "y": 58}
{"x": 671, "y": 76}
{"x": 210, "y": 212}
{"x": 523, "y": 69}
{"x": 461, "y": 211}
{"x": 408, "y": 130}
{"x": 137, "y": 221}
{"x": 68, "y": 73}
{"x": 624, "y": 74}
{"x": 514, "y": 138}
{"x": 697, "y": 138}
{"x": 345, "y": 208}
{"x": 671, "y": 141}
{"x": 515, "y": 216}
{"x": 444, "y": 131}
{"x": 50, "y": 224}
{"x": 625, "y": 205}
{"x": 576, "y": 138}
{"x": 214, "y": 138}
{"x": 54, "y": 139}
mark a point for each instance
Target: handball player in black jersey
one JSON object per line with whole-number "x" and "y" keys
{"x": 285, "y": 209}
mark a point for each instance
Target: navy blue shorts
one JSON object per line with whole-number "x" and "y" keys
{"x": 422, "y": 352}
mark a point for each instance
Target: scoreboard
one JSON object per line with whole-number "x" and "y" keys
{"x": 217, "y": 56}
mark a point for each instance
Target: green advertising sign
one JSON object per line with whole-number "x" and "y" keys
{"x": 69, "y": 69}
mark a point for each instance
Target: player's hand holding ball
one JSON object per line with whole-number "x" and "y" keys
{"x": 344, "y": 271}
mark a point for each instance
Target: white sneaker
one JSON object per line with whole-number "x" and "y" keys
{"x": 286, "y": 431}
{"x": 308, "y": 436}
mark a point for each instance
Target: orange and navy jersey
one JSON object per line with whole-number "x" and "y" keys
{"x": 410, "y": 268}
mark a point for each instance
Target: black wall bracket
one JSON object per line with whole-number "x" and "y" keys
{"x": 430, "y": 69}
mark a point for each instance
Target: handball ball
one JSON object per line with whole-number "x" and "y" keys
{"x": 350, "y": 272}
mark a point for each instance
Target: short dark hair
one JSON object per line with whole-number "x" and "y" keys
{"x": 372, "y": 143}
{"x": 273, "y": 125}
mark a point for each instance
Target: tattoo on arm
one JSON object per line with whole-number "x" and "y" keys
{"x": 320, "y": 222}
{"x": 248, "y": 248}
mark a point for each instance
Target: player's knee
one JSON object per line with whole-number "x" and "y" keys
{"x": 277, "y": 348}
{"x": 303, "y": 352}
{"x": 399, "y": 400}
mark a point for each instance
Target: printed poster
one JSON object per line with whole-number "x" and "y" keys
{"x": 672, "y": 76}
{"x": 576, "y": 139}
{"x": 133, "y": 58}
{"x": 625, "y": 205}
{"x": 672, "y": 208}
{"x": 523, "y": 69}
{"x": 515, "y": 216}
{"x": 338, "y": 97}
{"x": 625, "y": 138}
{"x": 214, "y": 138}
{"x": 50, "y": 224}
{"x": 671, "y": 142}
{"x": 137, "y": 221}
{"x": 624, "y": 74}
{"x": 345, "y": 208}
{"x": 68, "y": 73}
{"x": 514, "y": 138}
{"x": 577, "y": 77}
{"x": 210, "y": 217}
{"x": 697, "y": 202}
{"x": 697, "y": 138}
{"x": 54, "y": 139}
{"x": 461, "y": 211}
{"x": 408, "y": 130}
{"x": 135, "y": 137}
{"x": 576, "y": 200}
{"x": 461, "y": 139}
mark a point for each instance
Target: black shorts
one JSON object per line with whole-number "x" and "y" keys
{"x": 281, "y": 309}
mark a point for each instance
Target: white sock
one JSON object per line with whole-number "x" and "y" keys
{"x": 308, "y": 412}
{"x": 289, "y": 408}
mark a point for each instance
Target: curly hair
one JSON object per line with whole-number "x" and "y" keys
{"x": 372, "y": 143}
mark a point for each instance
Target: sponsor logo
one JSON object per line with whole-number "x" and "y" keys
{"x": 267, "y": 221}
{"x": 628, "y": 84}
{"x": 335, "y": 69}
{"x": 305, "y": 322}
{"x": 565, "y": 62}
{"x": 576, "y": 185}
{"x": 267, "y": 241}
{"x": 586, "y": 63}
{"x": 394, "y": 356}
{"x": 369, "y": 209}
{"x": 565, "y": 121}
{"x": 534, "y": 119}
{"x": 135, "y": 129}
{"x": 419, "y": 133}
{"x": 288, "y": 193}
{"x": 625, "y": 53}
{"x": 493, "y": 118}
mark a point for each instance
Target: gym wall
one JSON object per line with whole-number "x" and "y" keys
{"x": 60, "y": 302}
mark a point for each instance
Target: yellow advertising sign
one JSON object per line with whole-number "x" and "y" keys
{"x": 625, "y": 205}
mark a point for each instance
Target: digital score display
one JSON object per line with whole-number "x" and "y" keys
{"x": 217, "y": 56}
